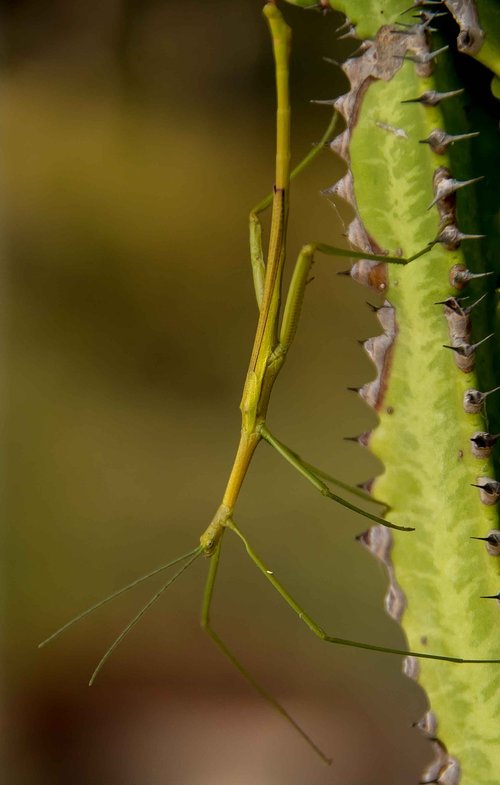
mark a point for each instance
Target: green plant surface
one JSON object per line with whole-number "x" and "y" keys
{"x": 423, "y": 437}
{"x": 369, "y": 15}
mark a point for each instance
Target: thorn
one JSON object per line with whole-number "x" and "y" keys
{"x": 364, "y": 45}
{"x": 323, "y": 102}
{"x": 429, "y": 15}
{"x": 423, "y": 59}
{"x": 344, "y": 26}
{"x": 489, "y": 490}
{"x": 483, "y": 443}
{"x": 452, "y": 303}
{"x": 377, "y": 308}
{"x": 362, "y": 439}
{"x": 432, "y": 97}
{"x": 466, "y": 349}
{"x": 351, "y": 33}
{"x": 362, "y": 537}
{"x": 475, "y": 345}
{"x": 451, "y": 237}
{"x": 492, "y": 486}
{"x": 439, "y": 141}
{"x": 333, "y": 62}
{"x": 474, "y": 399}
{"x": 492, "y": 541}
{"x": 420, "y": 4}
{"x": 460, "y": 276}
{"x": 427, "y": 725}
{"x": 458, "y": 349}
{"x": 473, "y": 305}
{"x": 449, "y": 186}
{"x": 484, "y": 439}
{"x": 492, "y": 544}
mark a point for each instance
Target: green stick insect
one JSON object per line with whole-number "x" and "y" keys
{"x": 276, "y": 328}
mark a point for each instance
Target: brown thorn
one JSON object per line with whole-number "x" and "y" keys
{"x": 432, "y": 97}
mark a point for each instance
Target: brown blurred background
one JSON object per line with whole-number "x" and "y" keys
{"x": 137, "y": 135}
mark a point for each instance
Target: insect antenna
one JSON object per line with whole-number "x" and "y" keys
{"x": 141, "y": 613}
{"x": 117, "y": 593}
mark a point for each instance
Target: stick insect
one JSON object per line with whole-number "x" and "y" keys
{"x": 276, "y": 328}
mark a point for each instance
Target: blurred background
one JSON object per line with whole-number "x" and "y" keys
{"x": 137, "y": 136}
